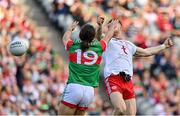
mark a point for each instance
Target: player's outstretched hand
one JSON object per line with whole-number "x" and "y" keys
{"x": 113, "y": 24}
{"x": 73, "y": 25}
{"x": 100, "y": 21}
{"x": 168, "y": 43}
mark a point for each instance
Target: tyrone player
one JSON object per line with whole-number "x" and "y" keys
{"x": 118, "y": 70}
{"x": 84, "y": 68}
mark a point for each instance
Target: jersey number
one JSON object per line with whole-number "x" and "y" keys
{"x": 91, "y": 59}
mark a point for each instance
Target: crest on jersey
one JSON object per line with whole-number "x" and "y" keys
{"x": 114, "y": 87}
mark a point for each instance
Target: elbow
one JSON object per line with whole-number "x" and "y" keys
{"x": 146, "y": 54}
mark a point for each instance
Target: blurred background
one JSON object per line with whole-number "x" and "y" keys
{"x": 32, "y": 84}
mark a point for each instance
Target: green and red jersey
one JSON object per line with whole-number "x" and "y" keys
{"x": 84, "y": 67}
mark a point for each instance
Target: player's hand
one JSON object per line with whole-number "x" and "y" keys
{"x": 168, "y": 43}
{"x": 73, "y": 25}
{"x": 100, "y": 21}
{"x": 113, "y": 24}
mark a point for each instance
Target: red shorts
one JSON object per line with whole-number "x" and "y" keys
{"x": 116, "y": 83}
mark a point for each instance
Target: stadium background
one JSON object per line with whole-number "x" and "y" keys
{"x": 32, "y": 84}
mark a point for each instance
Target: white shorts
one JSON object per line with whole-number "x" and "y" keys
{"x": 77, "y": 96}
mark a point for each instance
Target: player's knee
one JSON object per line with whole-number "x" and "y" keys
{"x": 121, "y": 109}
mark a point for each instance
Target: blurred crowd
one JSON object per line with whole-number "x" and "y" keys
{"x": 146, "y": 23}
{"x": 32, "y": 84}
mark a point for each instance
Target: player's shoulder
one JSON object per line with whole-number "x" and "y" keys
{"x": 76, "y": 41}
{"x": 129, "y": 42}
{"x": 122, "y": 40}
{"x": 73, "y": 42}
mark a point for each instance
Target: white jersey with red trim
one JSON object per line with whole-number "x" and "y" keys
{"x": 118, "y": 57}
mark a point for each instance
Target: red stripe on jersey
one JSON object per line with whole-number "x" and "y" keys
{"x": 69, "y": 44}
{"x": 82, "y": 108}
{"x": 73, "y": 58}
{"x": 103, "y": 45}
{"x": 84, "y": 60}
{"x": 99, "y": 60}
{"x": 69, "y": 104}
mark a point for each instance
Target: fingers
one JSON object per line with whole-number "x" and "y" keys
{"x": 100, "y": 20}
{"x": 74, "y": 25}
{"x": 170, "y": 43}
{"x": 116, "y": 22}
{"x": 113, "y": 23}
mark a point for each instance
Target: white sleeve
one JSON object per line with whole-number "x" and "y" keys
{"x": 133, "y": 48}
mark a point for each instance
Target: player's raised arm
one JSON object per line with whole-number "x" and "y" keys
{"x": 100, "y": 22}
{"x": 140, "y": 52}
{"x": 67, "y": 34}
{"x": 110, "y": 31}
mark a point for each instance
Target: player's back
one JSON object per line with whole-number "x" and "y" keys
{"x": 84, "y": 67}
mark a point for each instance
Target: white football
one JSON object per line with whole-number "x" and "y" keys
{"x": 18, "y": 47}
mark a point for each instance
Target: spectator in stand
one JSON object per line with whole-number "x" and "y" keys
{"x": 145, "y": 22}
{"x": 24, "y": 80}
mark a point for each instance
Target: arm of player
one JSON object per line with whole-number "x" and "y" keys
{"x": 110, "y": 31}
{"x": 176, "y": 32}
{"x": 100, "y": 22}
{"x": 67, "y": 34}
{"x": 140, "y": 52}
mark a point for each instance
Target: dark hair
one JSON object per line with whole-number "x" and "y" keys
{"x": 87, "y": 34}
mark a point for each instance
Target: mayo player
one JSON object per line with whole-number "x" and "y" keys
{"x": 118, "y": 71}
{"x": 84, "y": 68}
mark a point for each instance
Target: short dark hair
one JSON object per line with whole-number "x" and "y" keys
{"x": 87, "y": 34}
